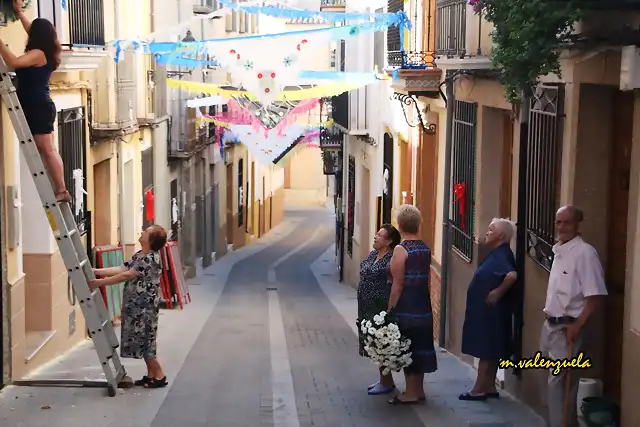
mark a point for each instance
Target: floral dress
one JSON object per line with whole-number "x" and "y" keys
{"x": 141, "y": 307}
{"x": 373, "y": 289}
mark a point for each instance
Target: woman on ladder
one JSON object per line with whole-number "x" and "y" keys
{"x": 33, "y": 69}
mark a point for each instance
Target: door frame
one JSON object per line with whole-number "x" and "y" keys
{"x": 387, "y": 178}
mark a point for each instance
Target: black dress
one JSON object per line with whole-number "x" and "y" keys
{"x": 33, "y": 94}
{"x": 487, "y": 331}
{"x": 373, "y": 289}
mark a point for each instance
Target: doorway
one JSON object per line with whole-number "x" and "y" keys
{"x": 102, "y": 189}
{"x": 365, "y": 238}
{"x": 427, "y": 185}
{"x": 230, "y": 204}
{"x": 618, "y": 204}
{"x": 387, "y": 179}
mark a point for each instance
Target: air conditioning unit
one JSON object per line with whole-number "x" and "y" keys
{"x": 630, "y": 68}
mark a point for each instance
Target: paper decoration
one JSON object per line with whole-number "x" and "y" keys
{"x": 398, "y": 18}
{"x": 459, "y": 190}
{"x": 149, "y": 205}
{"x": 320, "y": 91}
{"x": 78, "y": 180}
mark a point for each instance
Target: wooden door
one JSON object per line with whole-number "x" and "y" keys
{"x": 230, "y": 222}
{"x": 427, "y": 185}
{"x": 507, "y": 166}
{"x": 619, "y": 175}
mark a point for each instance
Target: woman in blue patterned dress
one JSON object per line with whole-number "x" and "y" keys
{"x": 140, "y": 303}
{"x": 373, "y": 292}
{"x": 410, "y": 301}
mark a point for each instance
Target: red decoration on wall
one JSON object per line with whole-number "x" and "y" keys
{"x": 273, "y": 75}
{"x": 459, "y": 191}
{"x": 149, "y": 199}
{"x": 298, "y": 47}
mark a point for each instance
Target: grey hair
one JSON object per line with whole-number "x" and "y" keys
{"x": 507, "y": 228}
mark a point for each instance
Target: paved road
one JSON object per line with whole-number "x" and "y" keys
{"x": 269, "y": 342}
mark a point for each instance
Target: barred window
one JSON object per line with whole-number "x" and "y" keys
{"x": 543, "y": 164}
{"x": 463, "y": 169}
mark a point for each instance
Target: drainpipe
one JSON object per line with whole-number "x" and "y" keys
{"x": 444, "y": 274}
{"x": 521, "y": 221}
{"x": 119, "y": 141}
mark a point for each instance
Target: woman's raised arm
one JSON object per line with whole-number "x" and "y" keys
{"x": 26, "y": 24}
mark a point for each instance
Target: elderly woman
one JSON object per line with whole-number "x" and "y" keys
{"x": 140, "y": 303}
{"x": 410, "y": 301}
{"x": 373, "y": 291}
{"x": 487, "y": 330}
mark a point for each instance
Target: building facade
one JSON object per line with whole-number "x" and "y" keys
{"x": 456, "y": 148}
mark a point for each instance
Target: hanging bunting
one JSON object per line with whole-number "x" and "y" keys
{"x": 321, "y": 91}
{"x": 397, "y": 18}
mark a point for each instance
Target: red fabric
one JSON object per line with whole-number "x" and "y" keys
{"x": 150, "y": 214}
{"x": 459, "y": 190}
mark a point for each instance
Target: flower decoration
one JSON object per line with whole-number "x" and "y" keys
{"x": 288, "y": 61}
{"x": 248, "y": 65}
{"x": 353, "y": 31}
{"x": 476, "y": 5}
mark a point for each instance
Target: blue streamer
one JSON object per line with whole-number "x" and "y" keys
{"x": 398, "y": 18}
{"x": 337, "y": 76}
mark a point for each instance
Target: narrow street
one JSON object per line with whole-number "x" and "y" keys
{"x": 268, "y": 340}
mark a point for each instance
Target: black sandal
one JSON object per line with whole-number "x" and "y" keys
{"x": 142, "y": 381}
{"x": 156, "y": 383}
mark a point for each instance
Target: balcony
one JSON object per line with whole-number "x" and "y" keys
{"x": 206, "y": 7}
{"x": 192, "y": 139}
{"x": 81, "y": 31}
{"x": 330, "y": 139}
{"x": 463, "y": 37}
{"x": 333, "y": 5}
{"x": 155, "y": 105}
{"x": 115, "y": 101}
{"x": 415, "y": 67}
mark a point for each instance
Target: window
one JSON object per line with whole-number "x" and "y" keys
{"x": 243, "y": 22}
{"x": 240, "y": 192}
{"x": 463, "y": 168}
{"x": 351, "y": 198}
{"x": 378, "y": 47}
{"x": 72, "y": 125}
{"x": 211, "y": 131}
{"x": 543, "y": 163}
{"x": 394, "y": 45}
{"x": 451, "y": 27}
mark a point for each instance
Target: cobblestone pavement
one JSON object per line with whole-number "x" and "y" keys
{"x": 268, "y": 340}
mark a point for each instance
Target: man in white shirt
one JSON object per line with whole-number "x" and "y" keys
{"x": 576, "y": 289}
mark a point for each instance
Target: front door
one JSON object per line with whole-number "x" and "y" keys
{"x": 426, "y": 187}
{"x": 387, "y": 179}
{"x": 619, "y": 175}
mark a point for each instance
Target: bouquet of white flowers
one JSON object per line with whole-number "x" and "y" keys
{"x": 384, "y": 344}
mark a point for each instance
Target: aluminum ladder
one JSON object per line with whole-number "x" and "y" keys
{"x": 74, "y": 254}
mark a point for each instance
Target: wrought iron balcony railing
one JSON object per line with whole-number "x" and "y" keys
{"x": 330, "y": 138}
{"x": 451, "y": 25}
{"x": 411, "y": 60}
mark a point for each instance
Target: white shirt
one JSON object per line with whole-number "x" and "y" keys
{"x": 576, "y": 273}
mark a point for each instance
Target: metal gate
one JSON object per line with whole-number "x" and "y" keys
{"x": 72, "y": 135}
{"x": 387, "y": 179}
{"x": 543, "y": 160}
{"x": 147, "y": 186}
